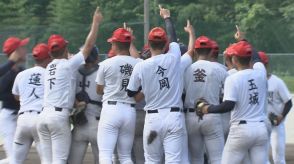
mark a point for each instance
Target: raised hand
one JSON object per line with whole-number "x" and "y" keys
{"x": 97, "y": 15}
{"x": 189, "y": 28}
{"x": 239, "y": 35}
{"x": 164, "y": 13}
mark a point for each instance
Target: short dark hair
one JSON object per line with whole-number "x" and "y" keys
{"x": 123, "y": 46}
{"x": 244, "y": 60}
{"x": 157, "y": 45}
{"x": 58, "y": 53}
{"x": 203, "y": 51}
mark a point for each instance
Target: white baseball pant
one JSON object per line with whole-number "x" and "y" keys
{"x": 55, "y": 135}
{"x": 116, "y": 128}
{"x": 81, "y": 137}
{"x": 7, "y": 130}
{"x": 26, "y": 133}
{"x": 251, "y": 137}
{"x": 278, "y": 143}
{"x": 170, "y": 130}
{"x": 206, "y": 134}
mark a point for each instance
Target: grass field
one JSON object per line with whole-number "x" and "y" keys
{"x": 289, "y": 80}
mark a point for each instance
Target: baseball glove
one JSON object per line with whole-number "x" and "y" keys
{"x": 273, "y": 118}
{"x": 199, "y": 104}
{"x": 78, "y": 116}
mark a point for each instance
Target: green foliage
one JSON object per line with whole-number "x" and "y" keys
{"x": 269, "y": 24}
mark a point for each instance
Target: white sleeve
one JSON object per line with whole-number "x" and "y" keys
{"x": 135, "y": 79}
{"x": 186, "y": 60}
{"x": 283, "y": 91}
{"x": 100, "y": 75}
{"x": 15, "y": 88}
{"x": 259, "y": 66}
{"x": 230, "y": 90}
{"x": 174, "y": 49}
{"x": 76, "y": 61}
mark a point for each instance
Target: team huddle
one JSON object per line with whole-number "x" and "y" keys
{"x": 197, "y": 110}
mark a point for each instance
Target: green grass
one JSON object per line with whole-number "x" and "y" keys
{"x": 289, "y": 80}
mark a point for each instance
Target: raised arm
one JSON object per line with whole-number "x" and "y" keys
{"x": 133, "y": 50}
{"x": 92, "y": 36}
{"x": 169, "y": 26}
{"x": 190, "y": 30}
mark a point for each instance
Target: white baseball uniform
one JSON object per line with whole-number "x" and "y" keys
{"x": 203, "y": 79}
{"x": 29, "y": 86}
{"x": 248, "y": 131}
{"x": 278, "y": 95}
{"x": 159, "y": 77}
{"x": 82, "y": 135}
{"x": 53, "y": 124}
{"x": 118, "y": 115}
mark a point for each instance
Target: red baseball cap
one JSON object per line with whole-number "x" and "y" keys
{"x": 157, "y": 34}
{"x": 215, "y": 46}
{"x": 56, "y": 42}
{"x": 111, "y": 53}
{"x": 229, "y": 51}
{"x": 203, "y": 42}
{"x": 12, "y": 43}
{"x": 121, "y": 35}
{"x": 263, "y": 57}
{"x": 41, "y": 51}
{"x": 241, "y": 49}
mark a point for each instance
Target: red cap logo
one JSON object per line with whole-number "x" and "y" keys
{"x": 263, "y": 57}
{"x": 203, "y": 42}
{"x": 121, "y": 35}
{"x": 12, "y": 43}
{"x": 56, "y": 42}
{"x": 157, "y": 34}
{"x": 41, "y": 51}
{"x": 241, "y": 49}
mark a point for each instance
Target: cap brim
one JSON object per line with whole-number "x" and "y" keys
{"x": 110, "y": 40}
{"x": 24, "y": 42}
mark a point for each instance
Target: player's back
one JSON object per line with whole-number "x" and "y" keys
{"x": 161, "y": 77}
{"x": 250, "y": 89}
{"x": 116, "y": 74}
{"x": 30, "y": 88}
{"x": 203, "y": 79}
{"x": 60, "y": 82}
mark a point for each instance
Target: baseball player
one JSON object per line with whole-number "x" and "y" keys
{"x": 203, "y": 79}
{"x": 279, "y": 104}
{"x": 28, "y": 88}
{"x": 60, "y": 84}
{"x": 158, "y": 77}
{"x": 245, "y": 96}
{"x": 15, "y": 50}
{"x": 186, "y": 60}
{"x": 118, "y": 116}
{"x": 86, "y": 121}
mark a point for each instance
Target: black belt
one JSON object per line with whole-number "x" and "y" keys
{"x": 30, "y": 111}
{"x": 189, "y": 110}
{"x": 96, "y": 103}
{"x": 173, "y": 109}
{"x": 115, "y": 102}
{"x": 245, "y": 122}
{"x": 58, "y": 109}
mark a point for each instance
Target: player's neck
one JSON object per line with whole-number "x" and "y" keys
{"x": 123, "y": 53}
{"x": 155, "y": 52}
{"x": 201, "y": 57}
{"x": 242, "y": 67}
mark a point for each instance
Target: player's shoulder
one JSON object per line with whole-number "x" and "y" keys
{"x": 276, "y": 79}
